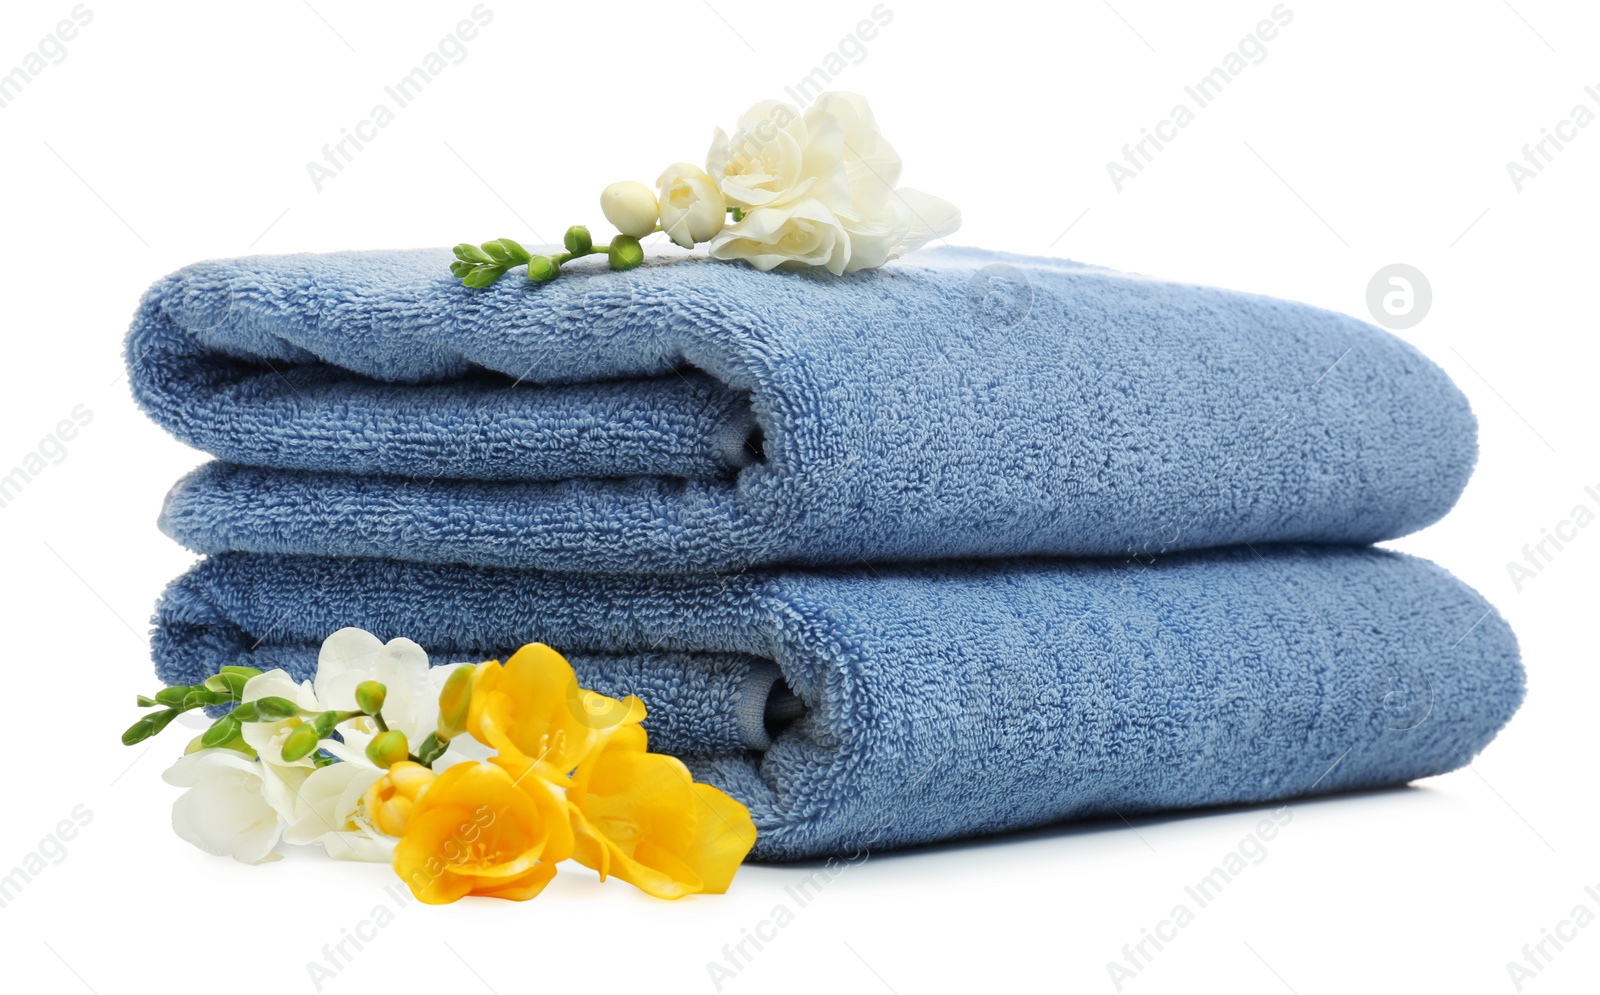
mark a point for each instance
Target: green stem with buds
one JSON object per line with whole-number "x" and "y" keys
{"x": 227, "y": 687}
{"x": 222, "y": 688}
{"x": 483, "y": 265}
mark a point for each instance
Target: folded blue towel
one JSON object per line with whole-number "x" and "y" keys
{"x": 938, "y": 701}
{"x": 699, "y": 416}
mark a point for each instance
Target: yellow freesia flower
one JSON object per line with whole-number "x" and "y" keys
{"x": 392, "y": 798}
{"x": 641, "y": 817}
{"x": 533, "y": 709}
{"x": 477, "y": 831}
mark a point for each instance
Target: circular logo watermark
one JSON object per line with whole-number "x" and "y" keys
{"x": 196, "y": 719}
{"x": 1399, "y": 296}
{"x": 202, "y": 306}
{"x": 1000, "y": 295}
{"x": 1402, "y": 699}
{"x": 609, "y": 296}
{"x": 595, "y": 710}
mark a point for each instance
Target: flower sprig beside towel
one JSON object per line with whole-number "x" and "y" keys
{"x": 786, "y": 189}
{"x": 472, "y": 780}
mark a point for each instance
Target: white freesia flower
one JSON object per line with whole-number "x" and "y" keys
{"x": 763, "y": 161}
{"x": 328, "y": 811}
{"x": 785, "y": 164}
{"x": 241, "y": 806}
{"x": 266, "y": 738}
{"x": 630, "y": 206}
{"x": 692, "y": 208}
{"x": 411, "y": 703}
{"x": 230, "y": 809}
{"x": 804, "y": 233}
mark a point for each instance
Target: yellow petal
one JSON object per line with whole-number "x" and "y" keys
{"x": 725, "y": 833}
{"x": 640, "y": 817}
{"x": 477, "y": 830}
{"x": 522, "y": 888}
{"x": 390, "y": 799}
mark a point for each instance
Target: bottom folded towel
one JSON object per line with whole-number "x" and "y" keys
{"x": 890, "y": 706}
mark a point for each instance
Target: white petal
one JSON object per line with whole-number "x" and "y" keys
{"x": 347, "y": 658}
{"x": 267, "y": 739}
{"x": 224, "y": 813}
{"x": 370, "y": 848}
{"x": 279, "y": 683}
{"x": 327, "y": 801}
{"x": 931, "y": 217}
{"x": 357, "y": 733}
{"x": 280, "y": 786}
{"x": 202, "y": 765}
{"x": 409, "y": 705}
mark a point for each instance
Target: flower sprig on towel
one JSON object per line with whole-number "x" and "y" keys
{"x": 786, "y": 189}
{"x": 470, "y": 780}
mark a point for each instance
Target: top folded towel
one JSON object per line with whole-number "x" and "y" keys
{"x": 691, "y": 415}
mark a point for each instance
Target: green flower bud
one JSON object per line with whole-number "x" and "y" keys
{"x": 246, "y": 671}
{"x": 542, "y": 268}
{"x": 162, "y": 719}
{"x": 220, "y": 731}
{"x": 388, "y": 748}
{"x": 147, "y": 702}
{"x": 483, "y": 276}
{"x": 301, "y": 743}
{"x": 226, "y": 683}
{"x": 467, "y": 252}
{"x": 455, "y": 700}
{"x": 625, "y": 252}
{"x": 173, "y": 695}
{"x": 432, "y": 748}
{"x": 578, "y": 240}
{"x": 324, "y": 723}
{"x": 199, "y": 697}
{"x": 506, "y": 251}
{"x": 272, "y": 707}
{"x": 245, "y": 712}
{"x": 237, "y": 744}
{"x": 148, "y": 726}
{"x": 370, "y": 696}
{"x": 138, "y": 732}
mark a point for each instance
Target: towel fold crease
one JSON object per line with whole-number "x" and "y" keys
{"x": 695, "y": 416}
{"x": 940, "y": 700}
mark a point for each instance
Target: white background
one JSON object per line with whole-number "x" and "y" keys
{"x": 1372, "y": 133}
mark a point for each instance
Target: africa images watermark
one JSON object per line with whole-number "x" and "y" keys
{"x": 852, "y": 47}
{"x": 51, "y": 51}
{"x": 50, "y": 451}
{"x": 452, "y": 50}
{"x": 750, "y": 139}
{"x": 1253, "y": 47}
{"x": 739, "y": 955}
{"x": 1537, "y": 155}
{"x": 50, "y": 851}
{"x": 1539, "y": 955}
{"x": 337, "y": 956}
{"x": 1138, "y": 955}
{"x": 1536, "y": 556}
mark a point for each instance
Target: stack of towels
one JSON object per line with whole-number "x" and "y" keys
{"x": 886, "y": 562}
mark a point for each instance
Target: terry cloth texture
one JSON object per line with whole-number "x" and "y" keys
{"x": 697, "y": 416}
{"x": 945, "y": 701}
